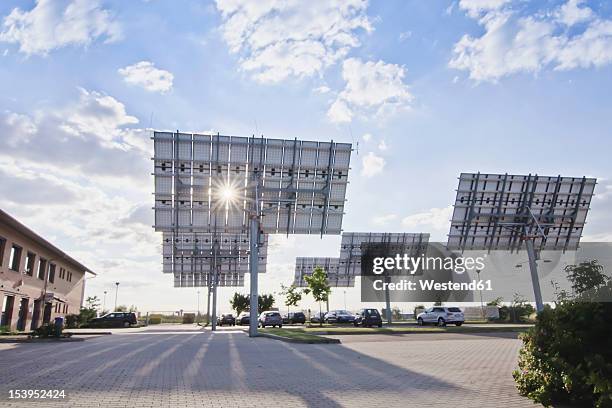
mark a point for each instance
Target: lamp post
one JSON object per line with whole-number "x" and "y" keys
{"x": 116, "y": 291}
{"x": 344, "y": 300}
{"x": 198, "y": 318}
{"x": 480, "y": 290}
{"x": 104, "y": 302}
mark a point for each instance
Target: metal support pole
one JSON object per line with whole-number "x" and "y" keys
{"x": 214, "y": 286}
{"x": 533, "y": 267}
{"x": 253, "y": 266}
{"x": 208, "y": 302}
{"x": 388, "y": 300}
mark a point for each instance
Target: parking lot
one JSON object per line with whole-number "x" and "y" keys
{"x": 175, "y": 366}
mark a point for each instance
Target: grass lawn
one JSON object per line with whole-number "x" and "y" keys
{"x": 414, "y": 329}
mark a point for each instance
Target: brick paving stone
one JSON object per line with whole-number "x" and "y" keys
{"x": 203, "y": 369}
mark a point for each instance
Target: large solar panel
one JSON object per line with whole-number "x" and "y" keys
{"x": 493, "y": 211}
{"x": 194, "y": 252}
{"x": 305, "y": 266}
{"x": 343, "y": 270}
{"x": 189, "y": 280}
{"x": 355, "y": 244}
{"x": 302, "y": 183}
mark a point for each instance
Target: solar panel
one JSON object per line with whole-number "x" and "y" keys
{"x": 305, "y": 266}
{"x": 303, "y": 183}
{"x": 493, "y": 211}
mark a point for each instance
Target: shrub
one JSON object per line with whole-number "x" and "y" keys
{"x": 46, "y": 330}
{"x": 188, "y": 318}
{"x": 566, "y": 357}
{"x": 71, "y": 321}
{"x": 154, "y": 319}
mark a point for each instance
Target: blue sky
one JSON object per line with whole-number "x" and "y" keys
{"x": 428, "y": 89}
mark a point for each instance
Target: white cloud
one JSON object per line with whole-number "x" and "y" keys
{"x": 366, "y": 137}
{"x": 322, "y": 89}
{"x": 372, "y": 165}
{"x": 371, "y": 88}
{"x": 145, "y": 75}
{"x": 385, "y": 219}
{"x": 436, "y": 218}
{"x": 279, "y": 39}
{"x": 514, "y": 43}
{"x": 405, "y": 35}
{"x": 54, "y": 24}
{"x": 382, "y": 145}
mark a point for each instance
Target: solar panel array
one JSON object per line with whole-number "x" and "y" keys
{"x": 303, "y": 183}
{"x": 343, "y": 270}
{"x": 492, "y": 211}
{"x": 305, "y": 266}
{"x": 300, "y": 186}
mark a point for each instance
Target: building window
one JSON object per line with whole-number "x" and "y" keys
{"x": 65, "y": 308}
{"x": 61, "y": 273}
{"x": 2, "y": 247}
{"x": 51, "y": 273}
{"x": 30, "y": 258}
{"x": 15, "y": 259}
{"x": 42, "y": 269}
{"x": 69, "y": 276}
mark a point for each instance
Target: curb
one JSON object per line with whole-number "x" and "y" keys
{"x": 41, "y": 340}
{"x": 290, "y": 340}
{"x": 90, "y": 334}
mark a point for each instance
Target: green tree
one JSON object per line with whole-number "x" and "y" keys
{"x": 264, "y": 302}
{"x": 318, "y": 286}
{"x": 586, "y": 277}
{"x": 240, "y": 302}
{"x": 121, "y": 308}
{"x": 89, "y": 311}
{"x": 292, "y": 295}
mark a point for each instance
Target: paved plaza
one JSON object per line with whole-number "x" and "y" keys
{"x": 174, "y": 366}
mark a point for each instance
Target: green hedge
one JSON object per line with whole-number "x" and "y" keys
{"x": 155, "y": 319}
{"x": 566, "y": 357}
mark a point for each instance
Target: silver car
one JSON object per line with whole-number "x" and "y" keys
{"x": 441, "y": 315}
{"x": 270, "y": 318}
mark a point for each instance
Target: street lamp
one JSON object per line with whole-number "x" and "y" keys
{"x": 482, "y": 312}
{"x": 344, "y": 300}
{"x": 116, "y": 291}
{"x": 198, "y": 318}
{"x": 104, "y": 302}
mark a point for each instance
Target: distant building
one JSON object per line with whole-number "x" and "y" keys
{"x": 38, "y": 281}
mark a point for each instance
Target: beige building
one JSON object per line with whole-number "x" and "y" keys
{"x": 38, "y": 281}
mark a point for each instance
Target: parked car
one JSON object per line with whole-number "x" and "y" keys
{"x": 243, "y": 319}
{"x": 270, "y": 318}
{"x": 115, "y": 319}
{"x": 367, "y": 318}
{"x": 316, "y": 317}
{"x": 286, "y": 319}
{"x": 226, "y": 319}
{"x": 441, "y": 315}
{"x": 339, "y": 316}
{"x": 297, "y": 318}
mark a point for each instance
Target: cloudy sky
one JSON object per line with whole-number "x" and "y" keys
{"x": 425, "y": 89}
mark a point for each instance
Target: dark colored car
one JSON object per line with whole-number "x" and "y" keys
{"x": 226, "y": 319}
{"x": 367, "y": 318}
{"x": 115, "y": 319}
{"x": 243, "y": 319}
{"x": 339, "y": 316}
{"x": 296, "y": 318}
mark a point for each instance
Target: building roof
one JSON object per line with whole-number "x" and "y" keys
{"x": 7, "y": 219}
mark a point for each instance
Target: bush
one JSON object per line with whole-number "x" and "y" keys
{"x": 154, "y": 319}
{"x": 46, "y": 330}
{"x": 566, "y": 357}
{"x": 188, "y": 318}
{"x": 72, "y": 321}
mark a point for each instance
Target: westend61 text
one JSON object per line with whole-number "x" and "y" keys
{"x": 430, "y": 284}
